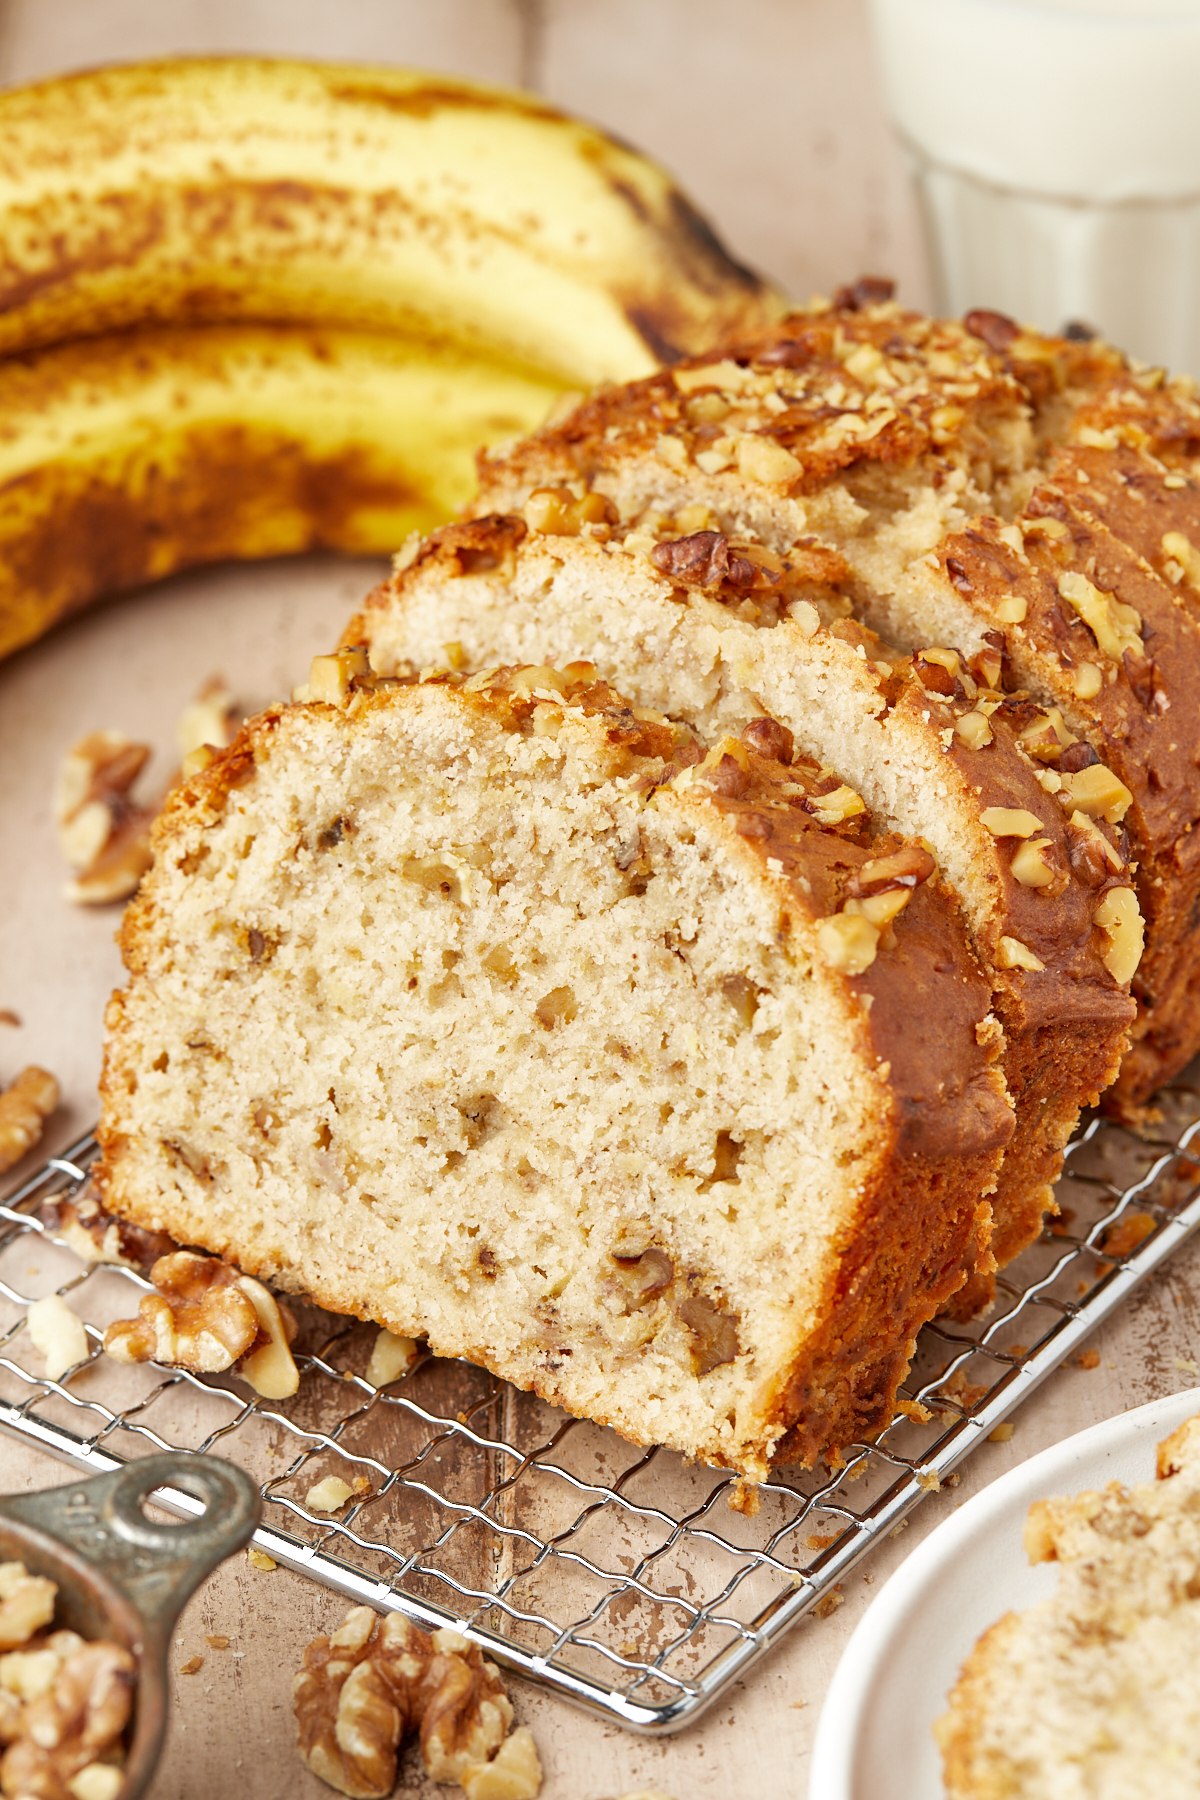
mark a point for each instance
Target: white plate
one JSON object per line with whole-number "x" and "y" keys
{"x": 874, "y": 1739}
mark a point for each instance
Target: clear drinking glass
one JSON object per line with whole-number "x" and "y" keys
{"x": 1055, "y": 148}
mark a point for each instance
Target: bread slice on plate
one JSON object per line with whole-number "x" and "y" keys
{"x": 717, "y": 634}
{"x": 654, "y": 1076}
{"x": 984, "y": 488}
{"x": 1093, "y": 1691}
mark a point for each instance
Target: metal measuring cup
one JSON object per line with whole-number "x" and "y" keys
{"x": 125, "y": 1577}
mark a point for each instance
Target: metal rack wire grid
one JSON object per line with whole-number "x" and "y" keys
{"x": 623, "y": 1579}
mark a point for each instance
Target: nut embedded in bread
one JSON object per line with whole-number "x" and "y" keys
{"x": 659, "y": 1082}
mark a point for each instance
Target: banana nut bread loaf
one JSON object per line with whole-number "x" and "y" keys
{"x": 1093, "y": 1691}
{"x": 660, "y": 1081}
{"x": 976, "y": 486}
{"x": 718, "y": 636}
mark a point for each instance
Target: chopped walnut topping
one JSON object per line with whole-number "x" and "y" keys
{"x": 556, "y": 512}
{"x": 1010, "y": 821}
{"x": 997, "y": 330}
{"x": 1046, "y": 736}
{"x": 374, "y": 1680}
{"x": 834, "y": 808}
{"x": 331, "y": 678}
{"x": 1119, "y": 918}
{"x": 1097, "y": 792}
{"x": 1087, "y": 681}
{"x": 769, "y": 738}
{"x": 761, "y": 459}
{"x": 207, "y": 1316}
{"x": 1036, "y": 865}
{"x": 973, "y": 729}
{"x": 703, "y": 560}
{"x": 1184, "y": 553}
{"x": 25, "y": 1106}
{"x": 904, "y": 868}
{"x": 57, "y": 1333}
{"x": 1089, "y": 852}
{"x": 1013, "y": 954}
{"x": 848, "y": 942}
{"x": 102, "y": 831}
{"x": 1115, "y": 626}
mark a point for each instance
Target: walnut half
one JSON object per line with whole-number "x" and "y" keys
{"x": 362, "y": 1690}
{"x": 207, "y": 1316}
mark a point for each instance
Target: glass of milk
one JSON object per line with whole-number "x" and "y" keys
{"x": 1055, "y": 147}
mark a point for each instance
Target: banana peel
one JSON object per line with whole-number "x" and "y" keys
{"x": 127, "y": 457}
{"x": 209, "y": 190}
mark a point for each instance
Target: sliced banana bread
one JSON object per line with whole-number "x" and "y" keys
{"x": 985, "y": 488}
{"x": 660, "y": 1082}
{"x": 717, "y": 635}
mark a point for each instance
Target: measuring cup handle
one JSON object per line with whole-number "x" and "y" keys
{"x": 156, "y": 1565}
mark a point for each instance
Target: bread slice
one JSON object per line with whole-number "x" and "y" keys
{"x": 986, "y": 488}
{"x": 1094, "y": 1690}
{"x": 494, "y": 1011}
{"x": 718, "y": 635}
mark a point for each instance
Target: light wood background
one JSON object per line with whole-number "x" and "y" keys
{"x": 769, "y": 113}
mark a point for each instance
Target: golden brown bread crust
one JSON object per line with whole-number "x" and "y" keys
{"x": 921, "y": 1219}
{"x": 1116, "y": 448}
{"x": 955, "y": 394}
{"x": 1143, "y": 721}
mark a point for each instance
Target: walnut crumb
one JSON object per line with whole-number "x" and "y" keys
{"x": 192, "y": 1666}
{"x": 24, "y": 1108}
{"x": 103, "y": 832}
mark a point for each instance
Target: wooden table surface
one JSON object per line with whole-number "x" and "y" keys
{"x": 769, "y": 112}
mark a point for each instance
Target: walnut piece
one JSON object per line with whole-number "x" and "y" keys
{"x": 391, "y": 1357}
{"x": 74, "y": 1726}
{"x": 1119, "y": 918}
{"x": 556, "y": 512}
{"x": 1115, "y": 626}
{"x": 57, "y": 1333}
{"x": 331, "y": 678}
{"x": 374, "y": 1680}
{"x": 24, "y": 1108}
{"x": 207, "y": 1316}
{"x": 848, "y": 943}
{"x": 211, "y": 718}
{"x": 96, "y": 1236}
{"x": 26, "y": 1604}
{"x": 64, "y": 1703}
{"x": 103, "y": 832}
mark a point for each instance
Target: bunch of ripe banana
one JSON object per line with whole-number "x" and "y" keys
{"x": 250, "y": 307}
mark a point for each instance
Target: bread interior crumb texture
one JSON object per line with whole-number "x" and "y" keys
{"x": 448, "y": 1016}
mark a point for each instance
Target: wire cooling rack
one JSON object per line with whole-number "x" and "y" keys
{"x": 623, "y": 1579}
